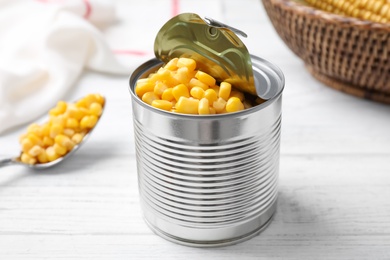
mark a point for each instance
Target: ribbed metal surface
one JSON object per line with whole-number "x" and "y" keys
{"x": 208, "y": 180}
{"x": 190, "y": 184}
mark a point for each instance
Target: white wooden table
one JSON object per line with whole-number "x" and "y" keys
{"x": 334, "y": 199}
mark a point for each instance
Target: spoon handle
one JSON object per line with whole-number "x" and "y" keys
{"x": 5, "y": 162}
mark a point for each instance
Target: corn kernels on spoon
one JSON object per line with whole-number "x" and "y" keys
{"x": 69, "y": 126}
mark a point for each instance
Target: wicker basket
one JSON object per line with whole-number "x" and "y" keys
{"x": 345, "y": 53}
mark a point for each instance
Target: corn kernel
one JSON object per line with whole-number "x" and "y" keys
{"x": 172, "y": 64}
{"x": 203, "y": 107}
{"x": 88, "y": 121}
{"x": 35, "y": 129}
{"x": 55, "y": 112}
{"x": 197, "y": 92}
{"x": 205, "y": 78}
{"x": 60, "y": 150}
{"x": 64, "y": 141}
{"x": 47, "y": 141}
{"x": 82, "y": 103}
{"x": 27, "y": 144}
{"x": 211, "y": 95}
{"x": 180, "y": 90}
{"x": 197, "y": 83}
{"x": 35, "y": 140}
{"x": 219, "y": 105}
{"x": 148, "y": 97}
{"x": 143, "y": 86}
{"x": 187, "y": 106}
{"x": 45, "y": 129}
{"x": 95, "y": 109}
{"x": 55, "y": 130}
{"x": 168, "y": 95}
{"x": 234, "y": 104}
{"x": 162, "y": 104}
{"x": 27, "y": 159}
{"x": 182, "y": 75}
{"x": 99, "y": 98}
{"x": 51, "y": 154}
{"x": 75, "y": 113}
{"x": 69, "y": 132}
{"x": 186, "y": 62}
{"x": 77, "y": 138}
{"x": 42, "y": 157}
{"x": 159, "y": 88}
{"x": 238, "y": 94}
{"x": 35, "y": 151}
{"x": 224, "y": 90}
{"x": 71, "y": 123}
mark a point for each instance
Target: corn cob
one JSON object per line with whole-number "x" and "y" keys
{"x": 373, "y": 10}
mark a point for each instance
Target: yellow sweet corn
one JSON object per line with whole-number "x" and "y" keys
{"x": 186, "y": 62}
{"x": 55, "y": 130}
{"x": 72, "y": 123}
{"x": 77, "y": 138}
{"x": 224, "y": 90}
{"x": 27, "y": 159}
{"x": 219, "y": 105}
{"x": 187, "y": 106}
{"x": 64, "y": 141}
{"x": 211, "y": 95}
{"x": 42, "y": 157}
{"x": 205, "y": 78}
{"x": 373, "y": 10}
{"x": 234, "y": 104}
{"x": 238, "y": 94}
{"x": 168, "y": 95}
{"x": 51, "y": 154}
{"x": 172, "y": 64}
{"x": 35, "y": 151}
{"x": 197, "y": 92}
{"x": 162, "y": 104}
{"x": 143, "y": 86}
{"x": 159, "y": 88}
{"x": 182, "y": 75}
{"x": 60, "y": 150}
{"x": 95, "y": 109}
{"x": 47, "y": 141}
{"x": 197, "y": 83}
{"x": 27, "y": 144}
{"x": 148, "y": 97}
{"x": 67, "y": 126}
{"x": 203, "y": 107}
{"x": 88, "y": 122}
{"x": 180, "y": 88}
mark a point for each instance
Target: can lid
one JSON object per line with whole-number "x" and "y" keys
{"x": 215, "y": 47}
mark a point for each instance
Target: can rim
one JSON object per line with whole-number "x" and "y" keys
{"x": 154, "y": 62}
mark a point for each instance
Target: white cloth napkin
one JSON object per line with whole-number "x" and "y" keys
{"x": 44, "y": 48}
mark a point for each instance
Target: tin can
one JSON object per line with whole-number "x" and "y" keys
{"x": 209, "y": 180}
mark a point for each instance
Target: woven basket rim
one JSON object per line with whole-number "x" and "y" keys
{"x": 306, "y": 10}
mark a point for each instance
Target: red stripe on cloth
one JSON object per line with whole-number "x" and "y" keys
{"x": 88, "y": 9}
{"x": 131, "y": 52}
{"x": 175, "y": 7}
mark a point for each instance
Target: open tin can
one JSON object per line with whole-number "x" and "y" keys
{"x": 209, "y": 180}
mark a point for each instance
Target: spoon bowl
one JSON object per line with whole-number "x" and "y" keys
{"x": 41, "y": 166}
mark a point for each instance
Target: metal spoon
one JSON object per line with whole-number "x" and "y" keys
{"x": 40, "y": 166}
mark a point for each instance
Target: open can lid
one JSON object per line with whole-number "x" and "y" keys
{"x": 215, "y": 47}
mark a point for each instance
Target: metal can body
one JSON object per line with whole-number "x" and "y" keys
{"x": 208, "y": 180}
